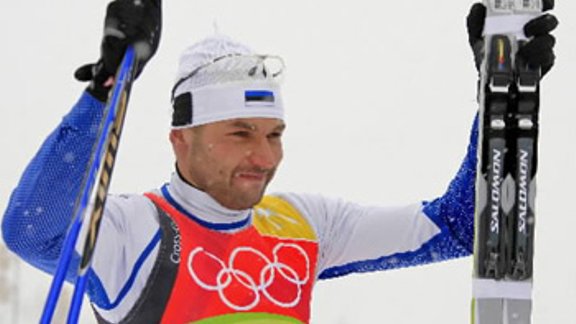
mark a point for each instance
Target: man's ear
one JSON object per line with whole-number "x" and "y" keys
{"x": 176, "y": 136}
{"x": 178, "y": 140}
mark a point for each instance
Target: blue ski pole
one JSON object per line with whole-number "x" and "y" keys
{"x": 111, "y": 128}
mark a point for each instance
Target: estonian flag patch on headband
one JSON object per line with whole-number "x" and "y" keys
{"x": 259, "y": 97}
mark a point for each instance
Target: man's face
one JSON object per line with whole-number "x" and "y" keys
{"x": 233, "y": 161}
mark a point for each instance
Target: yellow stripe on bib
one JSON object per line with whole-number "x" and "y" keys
{"x": 276, "y": 217}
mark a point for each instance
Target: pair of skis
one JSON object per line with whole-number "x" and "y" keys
{"x": 506, "y": 170}
{"x": 101, "y": 166}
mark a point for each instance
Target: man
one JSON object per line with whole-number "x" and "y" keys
{"x": 209, "y": 246}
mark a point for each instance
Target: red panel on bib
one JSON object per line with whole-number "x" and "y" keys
{"x": 222, "y": 273}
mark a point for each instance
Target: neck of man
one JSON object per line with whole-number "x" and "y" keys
{"x": 187, "y": 181}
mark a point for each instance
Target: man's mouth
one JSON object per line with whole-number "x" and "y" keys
{"x": 251, "y": 175}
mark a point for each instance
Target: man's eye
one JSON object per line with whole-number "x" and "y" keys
{"x": 241, "y": 134}
{"x": 275, "y": 135}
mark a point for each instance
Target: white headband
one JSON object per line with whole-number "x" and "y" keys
{"x": 225, "y": 101}
{"x": 221, "y": 79}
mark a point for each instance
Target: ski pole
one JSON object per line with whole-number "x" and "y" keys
{"x": 102, "y": 164}
{"x": 119, "y": 101}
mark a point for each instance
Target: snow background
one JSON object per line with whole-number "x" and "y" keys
{"x": 379, "y": 95}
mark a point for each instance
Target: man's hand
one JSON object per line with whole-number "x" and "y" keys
{"x": 128, "y": 22}
{"x": 539, "y": 51}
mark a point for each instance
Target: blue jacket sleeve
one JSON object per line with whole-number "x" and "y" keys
{"x": 41, "y": 206}
{"x": 454, "y": 211}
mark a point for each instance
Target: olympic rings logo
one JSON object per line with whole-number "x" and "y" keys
{"x": 273, "y": 269}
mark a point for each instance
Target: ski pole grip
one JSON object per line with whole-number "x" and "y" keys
{"x": 508, "y": 17}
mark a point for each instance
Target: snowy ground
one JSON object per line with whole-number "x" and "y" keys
{"x": 379, "y": 95}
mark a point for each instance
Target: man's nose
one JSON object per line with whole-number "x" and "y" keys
{"x": 263, "y": 154}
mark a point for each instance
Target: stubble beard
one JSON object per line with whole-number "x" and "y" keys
{"x": 238, "y": 198}
{"x": 230, "y": 193}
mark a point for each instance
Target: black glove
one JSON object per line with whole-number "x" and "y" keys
{"x": 538, "y": 52}
{"x": 137, "y": 22}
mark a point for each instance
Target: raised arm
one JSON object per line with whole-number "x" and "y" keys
{"x": 41, "y": 206}
{"x": 357, "y": 238}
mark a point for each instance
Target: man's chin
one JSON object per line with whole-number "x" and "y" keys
{"x": 251, "y": 201}
{"x": 242, "y": 195}
{"x": 250, "y": 188}
{"x": 241, "y": 201}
